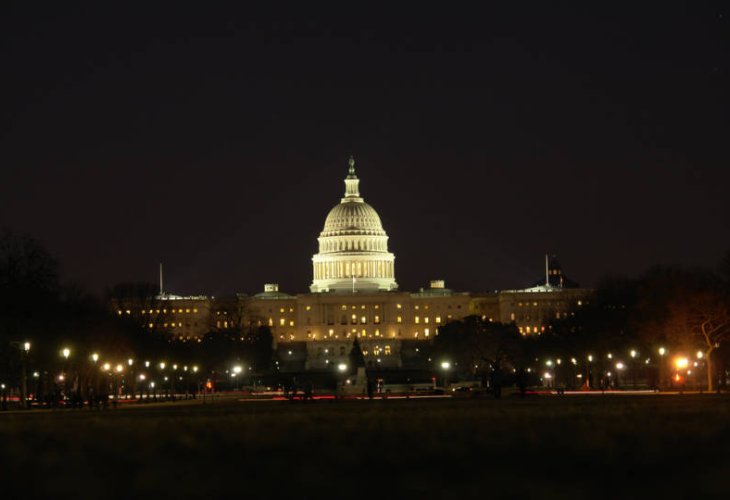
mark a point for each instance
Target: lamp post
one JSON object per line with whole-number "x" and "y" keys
{"x": 235, "y": 374}
{"x": 131, "y": 384}
{"x": 119, "y": 369}
{"x": 65, "y": 352}
{"x": 619, "y": 366}
{"x": 547, "y": 376}
{"x": 24, "y": 376}
{"x": 589, "y": 380}
{"x": 445, "y": 365}
{"x": 662, "y": 367}
{"x": 340, "y": 389}
{"x": 633, "y": 354}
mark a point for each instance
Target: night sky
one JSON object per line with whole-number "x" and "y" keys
{"x": 217, "y": 140}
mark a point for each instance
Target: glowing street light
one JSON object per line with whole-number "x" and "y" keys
{"x": 162, "y": 365}
{"x": 633, "y": 353}
{"x": 119, "y": 368}
{"x": 237, "y": 369}
{"x": 130, "y": 361}
{"x": 662, "y": 351}
{"x": 342, "y": 367}
{"x": 106, "y": 367}
{"x": 66, "y": 352}
{"x": 681, "y": 363}
{"x": 700, "y": 354}
{"x": 95, "y": 357}
{"x": 26, "y": 346}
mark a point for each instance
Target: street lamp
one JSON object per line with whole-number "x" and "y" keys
{"x": 65, "y": 352}
{"x": 24, "y": 375}
{"x": 619, "y": 367}
{"x": 445, "y": 365}
{"x": 95, "y": 357}
{"x": 236, "y": 371}
{"x": 633, "y": 354}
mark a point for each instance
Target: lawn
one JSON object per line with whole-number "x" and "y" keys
{"x": 545, "y": 446}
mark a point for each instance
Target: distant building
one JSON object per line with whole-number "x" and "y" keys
{"x": 354, "y": 294}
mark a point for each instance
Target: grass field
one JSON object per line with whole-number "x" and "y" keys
{"x": 556, "y": 447}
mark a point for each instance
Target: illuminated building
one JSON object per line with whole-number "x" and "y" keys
{"x": 354, "y": 294}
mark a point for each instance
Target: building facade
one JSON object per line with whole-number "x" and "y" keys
{"x": 354, "y": 295}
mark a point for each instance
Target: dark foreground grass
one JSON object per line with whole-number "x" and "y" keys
{"x": 569, "y": 447}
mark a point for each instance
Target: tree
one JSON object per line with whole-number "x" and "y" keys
{"x": 259, "y": 347}
{"x": 357, "y": 360}
{"x": 473, "y": 346}
{"x": 700, "y": 319}
{"x": 28, "y": 284}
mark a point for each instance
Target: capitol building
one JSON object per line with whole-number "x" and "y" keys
{"x": 354, "y": 295}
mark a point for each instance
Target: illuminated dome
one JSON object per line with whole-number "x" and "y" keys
{"x": 359, "y": 218}
{"x": 353, "y": 246}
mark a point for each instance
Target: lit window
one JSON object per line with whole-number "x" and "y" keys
{"x": 364, "y": 333}
{"x": 426, "y": 332}
{"x": 417, "y": 320}
{"x": 438, "y": 319}
{"x": 331, "y": 331}
{"x": 194, "y": 310}
{"x": 344, "y": 307}
{"x": 143, "y": 311}
{"x": 527, "y": 329}
{"x": 180, "y": 311}
{"x": 362, "y": 307}
{"x": 377, "y": 306}
{"x": 512, "y": 316}
{"x": 376, "y": 319}
{"x": 387, "y": 350}
{"x": 425, "y": 320}
{"x": 416, "y": 307}
{"x": 377, "y": 332}
{"x": 225, "y": 324}
{"x": 291, "y": 323}
{"x": 399, "y": 319}
{"x": 150, "y": 325}
{"x": 398, "y": 306}
{"x": 354, "y": 319}
{"x": 309, "y": 307}
{"x": 187, "y": 311}
{"x": 281, "y": 310}
{"x": 282, "y": 321}
{"x": 271, "y": 322}
{"x": 363, "y": 320}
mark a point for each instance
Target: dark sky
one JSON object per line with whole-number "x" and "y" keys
{"x": 217, "y": 140}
